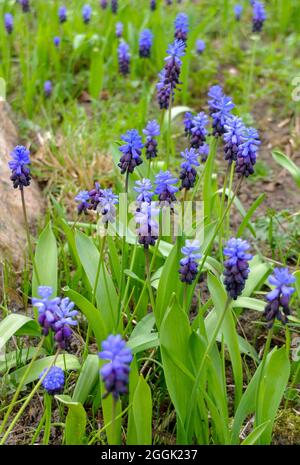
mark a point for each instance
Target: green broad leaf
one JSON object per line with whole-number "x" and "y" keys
{"x": 111, "y": 410}
{"x": 142, "y": 337}
{"x": 96, "y": 73}
{"x": 249, "y": 303}
{"x": 88, "y": 378}
{"x": 134, "y": 276}
{"x": 142, "y": 412}
{"x": 258, "y": 273}
{"x": 92, "y": 314}
{"x": 288, "y": 165}
{"x": 255, "y": 435}
{"x": 46, "y": 261}
{"x": 71, "y": 241}
{"x": 272, "y": 387}
{"x": 65, "y": 361}
{"x": 297, "y": 283}
{"x": 114, "y": 258}
{"x": 176, "y": 360}
{"x": 75, "y": 421}
{"x": 209, "y": 185}
{"x": 11, "y": 325}
{"x": 16, "y": 357}
{"x": 169, "y": 283}
{"x": 228, "y": 330}
{"x": 106, "y": 295}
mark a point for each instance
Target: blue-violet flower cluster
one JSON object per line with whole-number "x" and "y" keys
{"x": 236, "y": 266}
{"x": 279, "y": 297}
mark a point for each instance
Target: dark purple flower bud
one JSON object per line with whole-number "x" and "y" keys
{"x": 145, "y": 43}
{"x": 20, "y": 173}
{"x": 148, "y": 230}
{"x": 48, "y": 89}
{"x": 236, "y": 266}
{"x": 86, "y": 13}
{"x": 9, "y": 22}
{"x": 132, "y": 151}
{"x": 124, "y": 58}
{"x": 54, "y": 380}
{"x": 25, "y": 5}
{"x": 165, "y": 189}
{"x": 279, "y": 297}
{"x": 259, "y": 16}
{"x": 188, "y": 123}
{"x": 238, "y": 10}
{"x": 114, "y": 6}
{"x": 189, "y": 264}
{"x": 152, "y": 130}
{"x": 56, "y": 41}
{"x": 62, "y": 14}
{"x": 47, "y": 307}
{"x": 181, "y": 27}
{"x": 95, "y": 196}
{"x": 233, "y": 137}
{"x": 188, "y": 173}
{"x": 152, "y": 5}
{"x": 247, "y": 153}
{"x": 200, "y": 46}
{"x": 119, "y": 29}
{"x": 83, "y": 197}
{"x": 115, "y": 373}
{"x": 169, "y": 77}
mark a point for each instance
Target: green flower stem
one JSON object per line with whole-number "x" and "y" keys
{"x": 230, "y": 189}
{"x": 251, "y": 72}
{"x": 262, "y": 367}
{"x": 206, "y": 354}
{"x": 123, "y": 251}
{"x": 29, "y": 398}
{"x": 20, "y": 386}
{"x": 48, "y": 412}
{"x": 169, "y": 141}
{"x": 39, "y": 428}
{"x": 28, "y": 237}
{"x": 102, "y": 430}
{"x": 222, "y": 209}
{"x": 148, "y": 279}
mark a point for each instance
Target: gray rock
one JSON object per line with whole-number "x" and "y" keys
{"x": 13, "y": 244}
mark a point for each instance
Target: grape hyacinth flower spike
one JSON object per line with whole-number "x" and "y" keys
{"x": 119, "y": 29}
{"x": 220, "y": 107}
{"x": 64, "y": 320}
{"x": 200, "y": 46}
{"x": 145, "y": 43}
{"x": 86, "y": 13}
{"x": 151, "y": 131}
{"x": 95, "y": 196}
{"x": 9, "y": 22}
{"x": 279, "y": 297}
{"x": 131, "y": 151}
{"x": 238, "y": 10}
{"x": 114, "y": 6}
{"x": 103, "y": 4}
{"x": 247, "y": 153}
{"x": 145, "y": 192}
{"x": 54, "y": 380}
{"x": 20, "y": 172}
{"x": 62, "y": 14}
{"x": 56, "y": 41}
{"x": 169, "y": 76}
{"x": 47, "y": 308}
{"x": 165, "y": 189}
{"x": 181, "y": 27}
{"x": 236, "y": 266}
{"x": 233, "y": 138}
{"x": 48, "y": 89}
{"x": 203, "y": 152}
{"x": 188, "y": 173}
{"x": 198, "y": 131}
{"x": 25, "y": 5}
{"x": 83, "y": 197}
{"x": 115, "y": 373}
{"x": 259, "y": 16}
{"x": 152, "y": 5}
{"x": 148, "y": 230}
{"x": 189, "y": 264}
{"x": 106, "y": 206}
{"x": 124, "y": 58}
